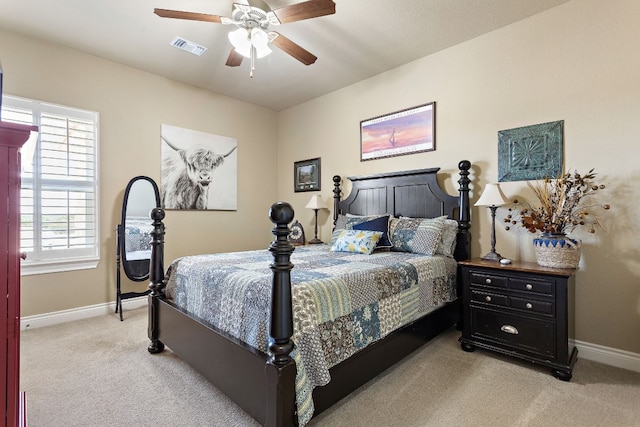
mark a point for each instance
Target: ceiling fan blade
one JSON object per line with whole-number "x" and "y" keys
{"x": 234, "y": 58}
{"x": 305, "y": 10}
{"x": 293, "y": 49}
{"x": 193, "y": 16}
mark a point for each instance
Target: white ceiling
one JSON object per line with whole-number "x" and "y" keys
{"x": 363, "y": 38}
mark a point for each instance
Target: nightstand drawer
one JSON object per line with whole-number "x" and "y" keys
{"x": 489, "y": 298}
{"x": 521, "y": 310}
{"x": 521, "y": 333}
{"x": 488, "y": 280}
{"x": 537, "y": 286}
{"x": 533, "y": 306}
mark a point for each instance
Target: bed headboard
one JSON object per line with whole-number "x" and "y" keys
{"x": 414, "y": 193}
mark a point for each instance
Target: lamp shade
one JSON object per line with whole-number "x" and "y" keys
{"x": 492, "y": 196}
{"x": 316, "y": 202}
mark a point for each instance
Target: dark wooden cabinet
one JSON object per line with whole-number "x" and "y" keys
{"x": 12, "y": 137}
{"x": 522, "y": 310}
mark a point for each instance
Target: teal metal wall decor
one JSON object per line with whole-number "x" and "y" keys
{"x": 530, "y": 152}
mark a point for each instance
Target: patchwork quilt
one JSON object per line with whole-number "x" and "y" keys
{"x": 342, "y": 301}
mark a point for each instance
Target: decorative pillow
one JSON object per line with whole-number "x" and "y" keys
{"x": 345, "y": 222}
{"x": 340, "y": 222}
{"x": 358, "y": 241}
{"x": 447, "y": 244}
{"x": 378, "y": 224}
{"x": 416, "y": 235}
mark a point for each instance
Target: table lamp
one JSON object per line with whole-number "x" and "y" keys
{"x": 316, "y": 203}
{"x": 492, "y": 197}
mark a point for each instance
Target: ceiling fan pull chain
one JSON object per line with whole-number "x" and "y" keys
{"x": 253, "y": 60}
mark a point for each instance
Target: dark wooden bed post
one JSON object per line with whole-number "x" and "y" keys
{"x": 463, "y": 245}
{"x": 280, "y": 369}
{"x": 337, "y": 194}
{"x": 156, "y": 277}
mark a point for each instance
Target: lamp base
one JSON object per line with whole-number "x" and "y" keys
{"x": 492, "y": 256}
{"x": 314, "y": 242}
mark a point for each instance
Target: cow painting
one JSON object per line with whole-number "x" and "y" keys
{"x": 198, "y": 170}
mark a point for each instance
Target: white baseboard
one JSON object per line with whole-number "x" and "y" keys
{"x": 608, "y": 355}
{"x": 597, "y": 353}
{"x": 63, "y": 316}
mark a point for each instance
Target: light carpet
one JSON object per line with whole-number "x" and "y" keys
{"x": 97, "y": 372}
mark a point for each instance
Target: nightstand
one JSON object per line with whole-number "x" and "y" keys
{"x": 522, "y": 310}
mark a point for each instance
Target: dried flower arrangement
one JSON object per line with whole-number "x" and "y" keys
{"x": 561, "y": 207}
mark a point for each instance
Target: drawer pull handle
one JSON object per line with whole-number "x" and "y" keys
{"x": 528, "y": 305}
{"x": 487, "y": 298}
{"x": 487, "y": 281}
{"x": 529, "y": 286}
{"x": 509, "y": 329}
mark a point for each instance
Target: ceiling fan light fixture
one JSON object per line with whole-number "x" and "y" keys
{"x": 239, "y": 38}
{"x": 259, "y": 37}
{"x": 252, "y": 36}
{"x": 260, "y": 40}
{"x": 243, "y": 40}
{"x": 246, "y": 52}
{"x": 261, "y": 52}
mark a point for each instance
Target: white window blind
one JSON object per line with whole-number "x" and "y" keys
{"x": 59, "y": 193}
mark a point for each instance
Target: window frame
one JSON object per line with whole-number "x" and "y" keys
{"x": 68, "y": 259}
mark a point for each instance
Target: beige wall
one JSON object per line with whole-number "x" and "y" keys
{"x": 132, "y": 106}
{"x": 579, "y": 63}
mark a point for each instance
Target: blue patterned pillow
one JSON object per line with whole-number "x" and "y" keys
{"x": 347, "y": 222}
{"x": 448, "y": 239}
{"x": 358, "y": 241}
{"x": 416, "y": 235}
{"x": 378, "y": 224}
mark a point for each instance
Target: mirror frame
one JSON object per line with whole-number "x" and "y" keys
{"x": 128, "y": 265}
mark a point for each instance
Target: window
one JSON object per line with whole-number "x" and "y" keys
{"x": 59, "y": 193}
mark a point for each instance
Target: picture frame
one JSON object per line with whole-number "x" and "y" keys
{"x": 214, "y": 158}
{"x": 531, "y": 152}
{"x": 407, "y": 131}
{"x": 306, "y": 175}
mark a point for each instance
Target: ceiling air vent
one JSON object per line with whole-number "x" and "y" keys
{"x": 188, "y": 46}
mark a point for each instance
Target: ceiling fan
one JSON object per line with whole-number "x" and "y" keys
{"x": 252, "y": 37}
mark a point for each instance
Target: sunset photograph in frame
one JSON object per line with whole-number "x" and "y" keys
{"x": 403, "y": 132}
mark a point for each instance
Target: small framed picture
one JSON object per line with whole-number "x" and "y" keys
{"x": 306, "y": 175}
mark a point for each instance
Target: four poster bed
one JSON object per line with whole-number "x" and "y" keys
{"x": 256, "y": 364}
